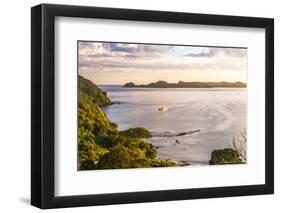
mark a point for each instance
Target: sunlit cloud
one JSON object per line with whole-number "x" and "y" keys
{"x": 220, "y": 52}
{"x": 142, "y": 60}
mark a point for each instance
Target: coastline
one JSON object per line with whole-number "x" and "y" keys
{"x": 170, "y": 135}
{"x": 182, "y": 84}
{"x": 126, "y": 127}
{"x": 101, "y": 145}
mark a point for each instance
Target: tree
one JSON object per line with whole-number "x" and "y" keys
{"x": 225, "y": 156}
{"x": 87, "y": 165}
{"x": 117, "y": 158}
{"x": 138, "y": 132}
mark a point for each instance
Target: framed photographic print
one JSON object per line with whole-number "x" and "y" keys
{"x": 139, "y": 106}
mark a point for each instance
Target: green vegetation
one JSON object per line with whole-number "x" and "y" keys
{"x": 225, "y": 156}
{"x": 182, "y": 84}
{"x": 91, "y": 90}
{"x": 101, "y": 145}
{"x": 138, "y": 132}
{"x": 122, "y": 157}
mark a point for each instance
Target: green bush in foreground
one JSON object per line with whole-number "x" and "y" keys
{"x": 87, "y": 165}
{"x": 225, "y": 156}
{"x": 117, "y": 158}
{"x": 138, "y": 132}
{"x": 120, "y": 157}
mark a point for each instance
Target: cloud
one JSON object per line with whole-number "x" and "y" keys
{"x": 220, "y": 52}
{"x": 98, "y": 49}
{"x": 115, "y": 47}
{"x": 119, "y": 57}
{"x": 139, "y": 64}
{"x": 136, "y": 48}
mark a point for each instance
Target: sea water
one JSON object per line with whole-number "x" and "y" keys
{"x": 218, "y": 113}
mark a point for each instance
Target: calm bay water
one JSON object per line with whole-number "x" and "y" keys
{"x": 219, "y": 114}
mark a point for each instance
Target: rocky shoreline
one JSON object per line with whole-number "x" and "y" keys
{"x": 172, "y": 134}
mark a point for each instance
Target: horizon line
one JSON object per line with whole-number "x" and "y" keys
{"x": 171, "y": 82}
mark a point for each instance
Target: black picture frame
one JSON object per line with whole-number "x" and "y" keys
{"x": 43, "y": 105}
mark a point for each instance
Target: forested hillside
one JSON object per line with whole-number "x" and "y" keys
{"x": 101, "y": 145}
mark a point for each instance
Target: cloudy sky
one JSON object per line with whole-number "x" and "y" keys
{"x": 119, "y": 63}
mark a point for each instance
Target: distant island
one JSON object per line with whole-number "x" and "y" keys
{"x": 182, "y": 84}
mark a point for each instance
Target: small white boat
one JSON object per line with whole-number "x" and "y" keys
{"x": 163, "y": 109}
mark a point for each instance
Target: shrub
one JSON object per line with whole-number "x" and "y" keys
{"x": 163, "y": 163}
{"x": 150, "y": 153}
{"x": 120, "y": 157}
{"x": 117, "y": 158}
{"x": 138, "y": 132}
{"x": 87, "y": 165}
{"x": 225, "y": 156}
